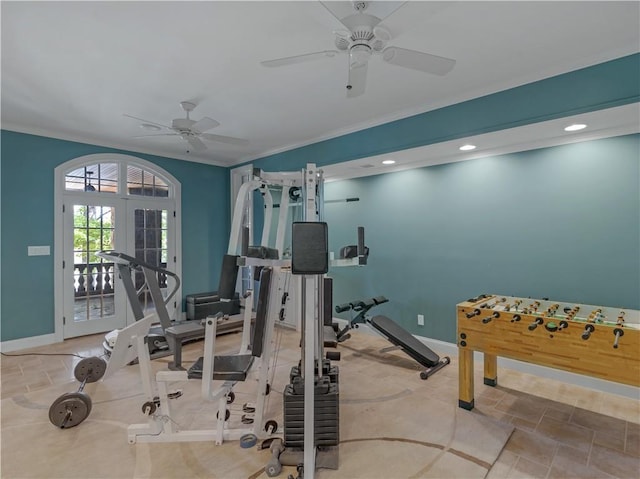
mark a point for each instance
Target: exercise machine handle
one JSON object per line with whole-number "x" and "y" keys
{"x": 134, "y": 263}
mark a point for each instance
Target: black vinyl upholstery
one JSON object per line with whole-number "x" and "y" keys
{"x": 236, "y": 367}
{"x": 405, "y": 340}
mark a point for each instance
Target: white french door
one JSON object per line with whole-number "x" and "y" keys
{"x": 111, "y": 202}
{"x": 94, "y": 296}
{"x": 94, "y": 299}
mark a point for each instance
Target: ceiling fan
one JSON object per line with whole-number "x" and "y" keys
{"x": 192, "y": 131}
{"x": 365, "y": 37}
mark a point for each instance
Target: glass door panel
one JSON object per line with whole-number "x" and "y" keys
{"x": 150, "y": 229}
{"x": 92, "y": 291}
{"x": 150, "y": 238}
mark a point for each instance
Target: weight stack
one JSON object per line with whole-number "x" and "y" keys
{"x": 327, "y": 370}
{"x": 326, "y": 417}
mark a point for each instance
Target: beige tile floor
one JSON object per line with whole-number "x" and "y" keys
{"x": 561, "y": 431}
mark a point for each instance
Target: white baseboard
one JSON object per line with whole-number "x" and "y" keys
{"x": 444, "y": 348}
{"x": 24, "y": 343}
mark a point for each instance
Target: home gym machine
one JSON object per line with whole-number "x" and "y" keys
{"x": 254, "y": 353}
{"x": 392, "y": 332}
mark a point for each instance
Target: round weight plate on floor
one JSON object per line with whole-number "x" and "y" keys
{"x": 231, "y": 397}
{"x": 69, "y": 410}
{"x": 91, "y": 369}
{"x": 248, "y": 440}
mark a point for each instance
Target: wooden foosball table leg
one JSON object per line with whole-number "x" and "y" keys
{"x": 490, "y": 369}
{"x": 465, "y": 366}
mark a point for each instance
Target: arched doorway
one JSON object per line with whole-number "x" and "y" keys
{"x": 110, "y": 201}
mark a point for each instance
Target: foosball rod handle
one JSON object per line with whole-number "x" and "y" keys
{"x": 618, "y": 332}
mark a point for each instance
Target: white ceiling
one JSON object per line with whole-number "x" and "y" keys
{"x": 72, "y": 69}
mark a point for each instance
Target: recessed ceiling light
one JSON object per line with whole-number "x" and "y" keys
{"x": 150, "y": 127}
{"x": 575, "y": 127}
{"x": 388, "y": 162}
{"x": 467, "y": 147}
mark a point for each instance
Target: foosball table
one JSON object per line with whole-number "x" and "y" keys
{"x": 597, "y": 341}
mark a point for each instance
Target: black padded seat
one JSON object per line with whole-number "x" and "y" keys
{"x": 227, "y": 368}
{"x": 235, "y": 367}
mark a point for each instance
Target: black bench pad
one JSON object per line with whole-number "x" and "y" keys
{"x": 226, "y": 368}
{"x": 405, "y": 340}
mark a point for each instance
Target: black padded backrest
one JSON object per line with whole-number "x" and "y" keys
{"x": 228, "y": 277}
{"x": 309, "y": 248}
{"x": 262, "y": 312}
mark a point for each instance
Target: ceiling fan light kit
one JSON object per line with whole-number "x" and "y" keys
{"x": 364, "y": 37}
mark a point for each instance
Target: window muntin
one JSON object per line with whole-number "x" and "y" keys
{"x": 141, "y": 182}
{"x": 102, "y": 177}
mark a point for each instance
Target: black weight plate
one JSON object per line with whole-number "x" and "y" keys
{"x": 92, "y": 369}
{"x": 70, "y": 409}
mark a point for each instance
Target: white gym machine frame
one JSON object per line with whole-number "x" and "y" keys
{"x": 159, "y": 426}
{"x": 310, "y": 182}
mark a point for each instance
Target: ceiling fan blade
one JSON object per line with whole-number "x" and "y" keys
{"x": 357, "y": 80}
{"x": 278, "y": 62}
{"x": 421, "y": 61}
{"x": 205, "y": 124}
{"x": 147, "y": 121}
{"x": 225, "y": 139}
{"x": 158, "y": 134}
{"x": 196, "y": 143}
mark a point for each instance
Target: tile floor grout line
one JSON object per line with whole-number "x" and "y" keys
{"x": 555, "y": 453}
{"x": 593, "y": 439}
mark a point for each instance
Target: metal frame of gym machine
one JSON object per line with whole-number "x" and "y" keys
{"x": 130, "y": 343}
{"x": 160, "y": 427}
{"x": 312, "y": 324}
{"x": 310, "y": 182}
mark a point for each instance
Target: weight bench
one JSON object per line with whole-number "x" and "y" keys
{"x": 394, "y": 333}
{"x": 410, "y": 345}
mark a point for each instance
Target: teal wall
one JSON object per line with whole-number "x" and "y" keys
{"x": 605, "y": 85}
{"x": 561, "y": 222}
{"x": 28, "y": 164}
